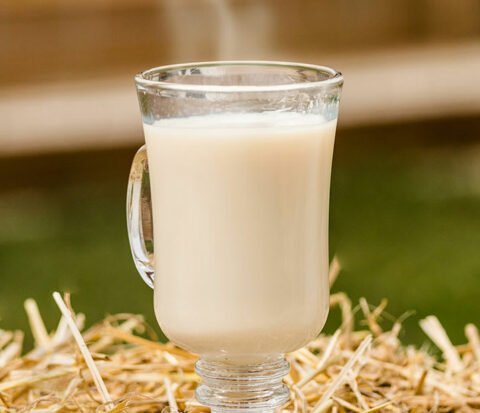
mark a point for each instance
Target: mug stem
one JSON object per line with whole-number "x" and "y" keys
{"x": 251, "y": 388}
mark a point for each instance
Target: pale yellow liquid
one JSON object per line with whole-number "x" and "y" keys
{"x": 240, "y": 208}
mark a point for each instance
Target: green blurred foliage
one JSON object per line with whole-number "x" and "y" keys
{"x": 405, "y": 224}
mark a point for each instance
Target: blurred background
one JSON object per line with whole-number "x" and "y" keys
{"x": 405, "y": 212}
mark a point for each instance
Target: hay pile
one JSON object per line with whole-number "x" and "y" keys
{"x": 362, "y": 370}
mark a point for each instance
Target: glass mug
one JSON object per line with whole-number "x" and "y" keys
{"x": 228, "y": 218}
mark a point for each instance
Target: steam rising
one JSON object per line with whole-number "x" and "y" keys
{"x": 219, "y": 29}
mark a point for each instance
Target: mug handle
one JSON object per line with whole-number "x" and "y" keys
{"x": 139, "y": 217}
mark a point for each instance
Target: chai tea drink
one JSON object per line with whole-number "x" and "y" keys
{"x": 240, "y": 210}
{"x": 236, "y": 173}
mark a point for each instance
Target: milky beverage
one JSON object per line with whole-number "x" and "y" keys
{"x": 240, "y": 209}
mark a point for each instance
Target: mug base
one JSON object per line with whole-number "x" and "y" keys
{"x": 238, "y": 389}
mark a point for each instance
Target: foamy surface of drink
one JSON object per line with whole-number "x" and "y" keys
{"x": 240, "y": 206}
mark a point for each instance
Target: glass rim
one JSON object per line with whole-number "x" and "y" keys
{"x": 334, "y": 77}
